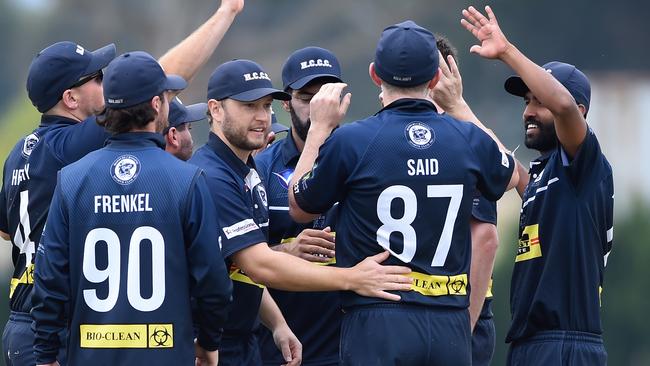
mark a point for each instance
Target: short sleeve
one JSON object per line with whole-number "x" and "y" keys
{"x": 495, "y": 166}
{"x": 318, "y": 190}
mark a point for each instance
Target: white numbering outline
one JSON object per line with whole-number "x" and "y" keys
{"x": 112, "y": 271}
{"x": 24, "y": 229}
{"x": 402, "y": 225}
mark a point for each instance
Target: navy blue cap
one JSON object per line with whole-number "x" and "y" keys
{"x": 574, "y": 80}
{"x": 242, "y": 80}
{"x": 406, "y": 55}
{"x": 134, "y": 78}
{"x": 180, "y": 113}
{"x": 307, "y": 64}
{"x": 59, "y": 66}
{"x": 276, "y": 126}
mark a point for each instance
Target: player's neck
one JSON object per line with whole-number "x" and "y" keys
{"x": 57, "y": 110}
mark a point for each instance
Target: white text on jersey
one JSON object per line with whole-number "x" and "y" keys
{"x": 19, "y": 175}
{"x": 422, "y": 166}
{"x": 122, "y": 203}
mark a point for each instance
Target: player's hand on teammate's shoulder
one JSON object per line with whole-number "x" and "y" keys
{"x": 204, "y": 357}
{"x": 370, "y": 278}
{"x": 448, "y": 92}
{"x": 312, "y": 245}
{"x": 486, "y": 29}
{"x": 327, "y": 108}
{"x": 235, "y": 6}
{"x": 288, "y": 344}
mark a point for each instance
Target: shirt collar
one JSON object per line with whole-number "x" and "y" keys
{"x": 411, "y": 105}
{"x": 289, "y": 149}
{"x": 228, "y": 156}
{"x": 49, "y": 120}
{"x": 136, "y": 138}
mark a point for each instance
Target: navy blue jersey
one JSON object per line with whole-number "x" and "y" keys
{"x": 565, "y": 236}
{"x": 485, "y": 211}
{"x": 130, "y": 237}
{"x": 404, "y": 180}
{"x": 240, "y": 199}
{"x": 314, "y": 317}
{"x": 28, "y": 185}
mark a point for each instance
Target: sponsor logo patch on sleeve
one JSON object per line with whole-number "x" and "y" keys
{"x": 240, "y": 228}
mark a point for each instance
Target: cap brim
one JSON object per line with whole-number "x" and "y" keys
{"x": 196, "y": 112}
{"x": 516, "y": 86}
{"x": 255, "y": 94}
{"x": 298, "y": 84}
{"x": 174, "y": 82}
{"x": 278, "y": 127}
{"x": 100, "y": 58}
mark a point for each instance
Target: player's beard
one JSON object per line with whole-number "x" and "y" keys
{"x": 237, "y": 135}
{"x": 301, "y": 128}
{"x": 545, "y": 139}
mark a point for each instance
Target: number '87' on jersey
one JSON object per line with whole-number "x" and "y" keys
{"x": 405, "y": 179}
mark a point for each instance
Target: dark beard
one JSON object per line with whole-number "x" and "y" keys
{"x": 546, "y": 139}
{"x": 301, "y": 128}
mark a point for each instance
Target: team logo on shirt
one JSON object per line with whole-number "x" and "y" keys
{"x": 125, "y": 169}
{"x": 419, "y": 135}
{"x": 529, "y": 246}
{"x": 284, "y": 177}
{"x": 29, "y": 144}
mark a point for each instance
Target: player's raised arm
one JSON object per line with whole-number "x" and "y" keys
{"x": 186, "y": 58}
{"x": 570, "y": 123}
{"x": 327, "y": 109}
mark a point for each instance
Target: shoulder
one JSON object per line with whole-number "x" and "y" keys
{"x": 216, "y": 170}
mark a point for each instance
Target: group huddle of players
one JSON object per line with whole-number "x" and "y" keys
{"x": 365, "y": 243}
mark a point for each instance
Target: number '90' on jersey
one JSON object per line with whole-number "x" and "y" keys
{"x": 405, "y": 179}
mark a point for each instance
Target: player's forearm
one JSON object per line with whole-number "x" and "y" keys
{"x": 186, "y": 58}
{"x": 315, "y": 139}
{"x": 570, "y": 125}
{"x": 270, "y": 314}
{"x": 286, "y": 272}
{"x": 484, "y": 247}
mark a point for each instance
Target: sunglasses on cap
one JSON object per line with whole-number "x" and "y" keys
{"x": 99, "y": 75}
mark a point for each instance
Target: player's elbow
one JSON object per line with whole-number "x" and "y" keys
{"x": 485, "y": 237}
{"x": 563, "y": 105}
{"x": 4, "y": 235}
{"x": 298, "y": 214}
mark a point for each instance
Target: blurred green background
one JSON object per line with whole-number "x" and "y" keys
{"x": 607, "y": 40}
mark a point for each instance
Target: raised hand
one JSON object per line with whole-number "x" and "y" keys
{"x": 327, "y": 108}
{"x": 493, "y": 42}
{"x": 448, "y": 92}
{"x": 233, "y": 5}
{"x": 372, "y": 279}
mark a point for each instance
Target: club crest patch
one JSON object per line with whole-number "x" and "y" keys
{"x": 125, "y": 169}
{"x": 419, "y": 135}
{"x": 29, "y": 144}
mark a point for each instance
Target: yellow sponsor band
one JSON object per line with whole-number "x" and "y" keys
{"x": 27, "y": 278}
{"x": 436, "y": 285}
{"x": 489, "y": 290}
{"x": 237, "y": 275}
{"x": 529, "y": 244}
{"x": 126, "y": 335}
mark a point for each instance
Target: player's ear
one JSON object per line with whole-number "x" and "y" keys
{"x": 435, "y": 79}
{"x": 583, "y": 110}
{"x": 215, "y": 107}
{"x": 69, "y": 99}
{"x": 286, "y": 105}
{"x": 373, "y": 75}
{"x": 156, "y": 103}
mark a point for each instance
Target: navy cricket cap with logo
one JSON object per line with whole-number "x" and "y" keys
{"x": 242, "y": 80}
{"x": 406, "y": 55}
{"x": 307, "y": 64}
{"x": 574, "y": 80}
{"x": 180, "y": 113}
{"x": 58, "y": 67}
{"x": 136, "y": 77}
